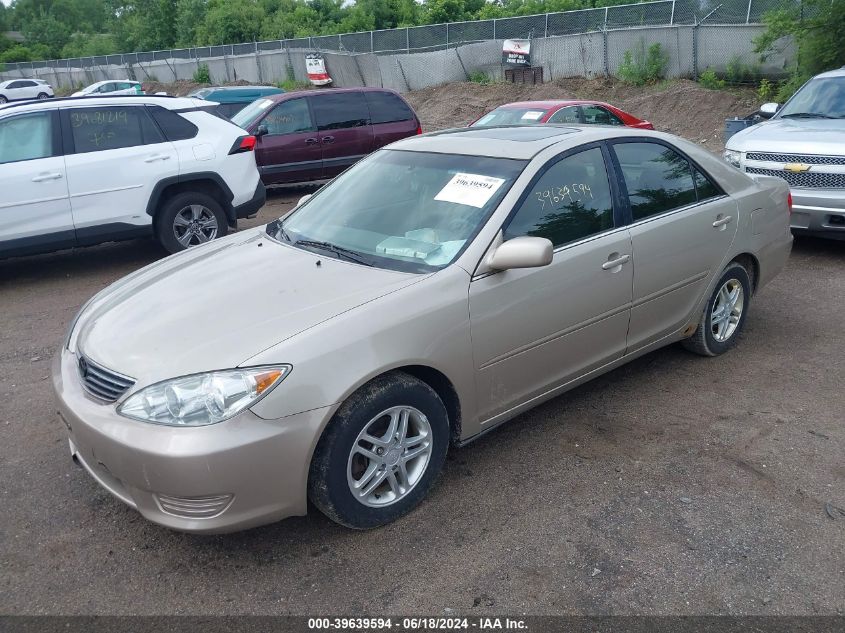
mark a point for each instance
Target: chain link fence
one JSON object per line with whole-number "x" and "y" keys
{"x": 588, "y": 43}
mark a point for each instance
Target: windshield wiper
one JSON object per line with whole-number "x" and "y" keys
{"x": 351, "y": 255}
{"x": 808, "y": 115}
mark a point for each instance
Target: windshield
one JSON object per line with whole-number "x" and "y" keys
{"x": 253, "y": 111}
{"x": 202, "y": 93}
{"x": 822, "y": 97}
{"x": 511, "y": 116}
{"x": 409, "y": 211}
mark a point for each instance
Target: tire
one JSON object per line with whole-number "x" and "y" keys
{"x": 42, "y": 96}
{"x": 3, "y": 99}
{"x": 189, "y": 219}
{"x": 716, "y": 334}
{"x": 389, "y": 489}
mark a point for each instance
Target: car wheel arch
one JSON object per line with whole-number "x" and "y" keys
{"x": 752, "y": 267}
{"x": 208, "y": 183}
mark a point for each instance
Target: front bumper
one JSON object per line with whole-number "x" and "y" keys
{"x": 224, "y": 477}
{"x": 250, "y": 208}
{"x": 819, "y": 212}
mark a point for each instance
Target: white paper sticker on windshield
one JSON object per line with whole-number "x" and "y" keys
{"x": 265, "y": 103}
{"x": 532, "y": 115}
{"x": 471, "y": 189}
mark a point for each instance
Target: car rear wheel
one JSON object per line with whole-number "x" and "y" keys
{"x": 724, "y": 315}
{"x": 381, "y": 453}
{"x": 189, "y": 219}
{"x": 42, "y": 96}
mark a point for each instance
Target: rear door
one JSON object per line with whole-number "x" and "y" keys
{"x": 115, "y": 155}
{"x": 343, "y": 125}
{"x": 392, "y": 119}
{"x": 682, "y": 226}
{"x": 289, "y": 150}
{"x": 34, "y": 206}
{"x": 598, "y": 115}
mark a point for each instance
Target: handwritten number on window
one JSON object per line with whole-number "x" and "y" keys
{"x": 554, "y": 195}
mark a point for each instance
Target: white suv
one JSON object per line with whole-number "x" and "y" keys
{"x": 24, "y": 89}
{"x": 111, "y": 88}
{"x": 81, "y": 171}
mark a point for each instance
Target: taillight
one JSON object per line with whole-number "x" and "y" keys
{"x": 419, "y": 129}
{"x": 243, "y": 144}
{"x": 789, "y": 202}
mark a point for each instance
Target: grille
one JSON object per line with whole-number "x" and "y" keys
{"x": 194, "y": 507}
{"x": 101, "y": 382}
{"x": 809, "y": 159}
{"x": 808, "y": 179}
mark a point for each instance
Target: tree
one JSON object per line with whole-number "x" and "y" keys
{"x": 230, "y": 22}
{"x": 817, "y": 27}
{"x": 190, "y": 14}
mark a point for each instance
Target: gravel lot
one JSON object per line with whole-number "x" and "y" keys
{"x": 674, "y": 485}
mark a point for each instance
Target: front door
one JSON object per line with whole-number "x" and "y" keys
{"x": 117, "y": 156}
{"x": 343, "y": 122}
{"x": 537, "y": 329}
{"x": 682, "y": 226}
{"x": 289, "y": 149}
{"x": 34, "y": 206}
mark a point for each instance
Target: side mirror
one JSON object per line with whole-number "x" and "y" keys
{"x": 303, "y": 199}
{"x": 522, "y": 252}
{"x": 768, "y": 110}
{"x": 261, "y": 130}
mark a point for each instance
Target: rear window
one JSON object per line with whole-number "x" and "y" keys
{"x": 175, "y": 127}
{"x": 340, "y": 110}
{"x": 103, "y": 128}
{"x": 511, "y": 116}
{"x": 386, "y": 107}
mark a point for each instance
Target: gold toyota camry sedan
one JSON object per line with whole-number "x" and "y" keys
{"x": 430, "y": 293}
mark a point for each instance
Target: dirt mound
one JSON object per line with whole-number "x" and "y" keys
{"x": 681, "y": 107}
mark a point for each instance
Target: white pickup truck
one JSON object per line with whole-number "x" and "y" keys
{"x": 803, "y": 142}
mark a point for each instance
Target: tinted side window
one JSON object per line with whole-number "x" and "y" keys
{"x": 568, "y": 114}
{"x": 111, "y": 127}
{"x": 704, "y": 187}
{"x": 175, "y": 127}
{"x": 14, "y": 84}
{"x": 572, "y": 200}
{"x": 26, "y": 84}
{"x": 26, "y": 137}
{"x": 342, "y": 110}
{"x": 289, "y": 117}
{"x": 387, "y": 108}
{"x": 658, "y": 179}
{"x": 600, "y": 116}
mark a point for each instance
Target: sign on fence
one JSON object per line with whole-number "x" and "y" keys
{"x": 516, "y": 52}
{"x": 315, "y": 66}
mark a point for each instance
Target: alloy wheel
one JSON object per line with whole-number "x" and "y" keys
{"x": 195, "y": 224}
{"x": 727, "y": 310}
{"x": 389, "y": 456}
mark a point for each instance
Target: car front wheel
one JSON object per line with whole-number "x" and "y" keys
{"x": 189, "y": 219}
{"x": 3, "y": 99}
{"x": 381, "y": 453}
{"x": 724, "y": 315}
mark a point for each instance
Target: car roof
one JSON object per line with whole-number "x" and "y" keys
{"x": 171, "y": 103}
{"x": 546, "y": 104}
{"x": 839, "y": 72}
{"x": 322, "y": 91}
{"x": 521, "y": 142}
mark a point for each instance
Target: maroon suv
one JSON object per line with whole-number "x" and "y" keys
{"x": 315, "y": 135}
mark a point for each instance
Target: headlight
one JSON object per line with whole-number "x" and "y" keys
{"x": 732, "y": 157}
{"x": 203, "y": 398}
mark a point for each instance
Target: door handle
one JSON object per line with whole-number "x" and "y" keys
{"x": 610, "y": 264}
{"x": 328, "y": 139}
{"x": 43, "y": 177}
{"x": 155, "y": 157}
{"x": 311, "y": 141}
{"x": 722, "y": 221}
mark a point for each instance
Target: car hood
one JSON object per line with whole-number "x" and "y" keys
{"x": 218, "y": 305}
{"x": 800, "y": 136}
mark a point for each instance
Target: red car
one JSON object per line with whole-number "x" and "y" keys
{"x": 575, "y": 112}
